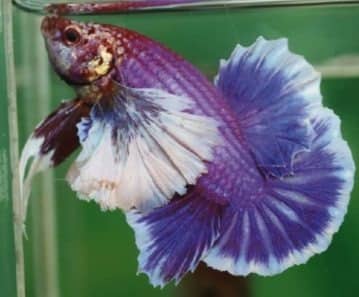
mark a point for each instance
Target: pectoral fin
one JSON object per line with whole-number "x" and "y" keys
{"x": 53, "y": 140}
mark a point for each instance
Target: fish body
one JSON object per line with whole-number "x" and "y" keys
{"x": 248, "y": 174}
{"x": 139, "y": 62}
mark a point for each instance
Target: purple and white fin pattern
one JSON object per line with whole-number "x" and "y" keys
{"x": 173, "y": 239}
{"x": 53, "y": 140}
{"x": 148, "y": 152}
{"x": 141, "y": 150}
{"x": 301, "y": 197}
{"x": 294, "y": 217}
{"x": 272, "y": 91}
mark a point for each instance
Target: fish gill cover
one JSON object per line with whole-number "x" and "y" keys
{"x": 249, "y": 174}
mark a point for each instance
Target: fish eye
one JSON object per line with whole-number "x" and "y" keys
{"x": 71, "y": 35}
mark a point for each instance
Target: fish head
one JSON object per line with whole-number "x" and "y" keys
{"x": 80, "y": 53}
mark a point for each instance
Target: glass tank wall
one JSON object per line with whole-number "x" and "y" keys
{"x": 75, "y": 249}
{"x": 7, "y": 86}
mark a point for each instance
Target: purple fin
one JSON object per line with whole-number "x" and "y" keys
{"x": 294, "y": 217}
{"x": 174, "y": 238}
{"x": 272, "y": 92}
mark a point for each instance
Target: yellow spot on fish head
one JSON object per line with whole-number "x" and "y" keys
{"x": 101, "y": 64}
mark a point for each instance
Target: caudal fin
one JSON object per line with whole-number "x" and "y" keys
{"x": 280, "y": 209}
{"x": 294, "y": 217}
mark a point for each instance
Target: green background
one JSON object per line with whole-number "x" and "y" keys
{"x": 74, "y": 249}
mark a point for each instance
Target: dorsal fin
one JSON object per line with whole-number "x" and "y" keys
{"x": 272, "y": 91}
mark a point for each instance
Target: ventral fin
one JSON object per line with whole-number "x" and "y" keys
{"x": 272, "y": 91}
{"x": 53, "y": 140}
{"x": 141, "y": 149}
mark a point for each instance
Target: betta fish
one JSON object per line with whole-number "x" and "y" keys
{"x": 248, "y": 174}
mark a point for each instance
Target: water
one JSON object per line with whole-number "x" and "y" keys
{"x": 74, "y": 249}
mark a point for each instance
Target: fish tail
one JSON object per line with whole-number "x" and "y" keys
{"x": 297, "y": 145}
{"x": 287, "y": 222}
{"x": 294, "y": 217}
{"x": 302, "y": 193}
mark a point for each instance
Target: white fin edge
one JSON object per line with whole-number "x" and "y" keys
{"x": 31, "y": 151}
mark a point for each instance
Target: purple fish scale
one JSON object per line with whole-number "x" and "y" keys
{"x": 168, "y": 72}
{"x": 183, "y": 79}
{"x": 262, "y": 225}
{"x": 177, "y": 76}
{"x": 277, "y": 186}
{"x": 188, "y": 81}
{"x": 221, "y": 188}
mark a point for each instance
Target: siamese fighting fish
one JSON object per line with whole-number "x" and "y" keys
{"x": 248, "y": 173}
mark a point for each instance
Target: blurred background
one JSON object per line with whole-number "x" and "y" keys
{"x": 75, "y": 249}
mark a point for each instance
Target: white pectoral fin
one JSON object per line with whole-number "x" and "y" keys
{"x": 148, "y": 149}
{"x": 31, "y": 162}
